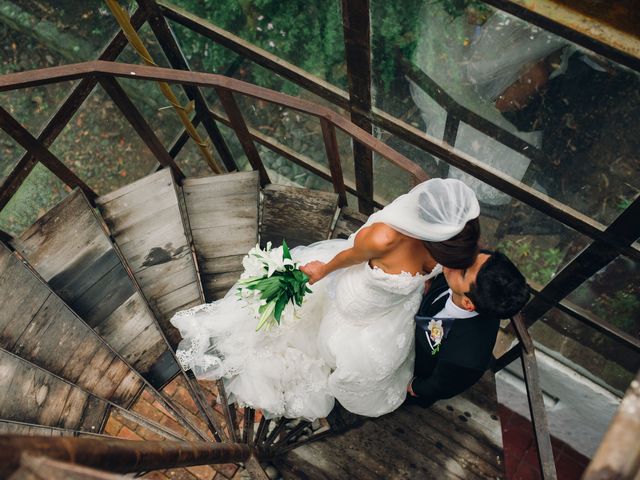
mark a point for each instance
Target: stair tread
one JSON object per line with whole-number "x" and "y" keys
{"x": 35, "y": 398}
{"x": 69, "y": 248}
{"x": 223, "y": 217}
{"x": 33, "y": 317}
{"x": 152, "y": 238}
{"x": 455, "y": 438}
{"x": 299, "y": 215}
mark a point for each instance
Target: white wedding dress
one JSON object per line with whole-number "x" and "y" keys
{"x": 352, "y": 339}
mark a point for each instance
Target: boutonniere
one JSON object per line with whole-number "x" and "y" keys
{"x": 436, "y": 333}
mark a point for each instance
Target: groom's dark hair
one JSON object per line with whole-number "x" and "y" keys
{"x": 459, "y": 251}
{"x": 500, "y": 290}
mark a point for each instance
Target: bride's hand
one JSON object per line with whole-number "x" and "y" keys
{"x": 314, "y": 270}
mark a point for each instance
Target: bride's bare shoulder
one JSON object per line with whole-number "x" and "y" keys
{"x": 379, "y": 235}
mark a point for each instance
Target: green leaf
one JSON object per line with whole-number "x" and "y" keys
{"x": 286, "y": 254}
{"x": 280, "y": 304}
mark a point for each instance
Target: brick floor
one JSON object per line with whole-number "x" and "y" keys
{"x": 521, "y": 453}
{"x": 148, "y": 407}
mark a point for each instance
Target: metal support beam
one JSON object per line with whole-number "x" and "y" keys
{"x": 38, "y": 150}
{"x": 536, "y": 400}
{"x": 172, "y": 51}
{"x": 117, "y": 455}
{"x": 237, "y": 121}
{"x": 593, "y": 258}
{"x": 357, "y": 41}
{"x": 61, "y": 117}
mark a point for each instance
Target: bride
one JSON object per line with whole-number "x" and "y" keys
{"x": 353, "y": 338}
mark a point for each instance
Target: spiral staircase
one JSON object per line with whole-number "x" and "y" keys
{"x": 87, "y": 350}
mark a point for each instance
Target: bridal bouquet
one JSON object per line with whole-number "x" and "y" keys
{"x": 271, "y": 280}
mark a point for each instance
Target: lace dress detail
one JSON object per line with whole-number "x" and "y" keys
{"x": 336, "y": 346}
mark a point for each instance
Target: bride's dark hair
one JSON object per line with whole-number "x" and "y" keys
{"x": 459, "y": 251}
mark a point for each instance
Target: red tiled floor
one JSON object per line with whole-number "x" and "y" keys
{"x": 520, "y": 452}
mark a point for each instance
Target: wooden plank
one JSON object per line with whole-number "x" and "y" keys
{"x": 349, "y": 221}
{"x": 617, "y": 456}
{"x": 299, "y": 215}
{"x": 53, "y": 337}
{"x": 150, "y": 181}
{"x": 43, "y": 468}
{"x": 19, "y": 428}
{"x": 35, "y": 396}
{"x": 230, "y": 182}
{"x": 148, "y": 227}
{"x": 455, "y": 438}
{"x": 223, "y": 218}
{"x": 231, "y": 263}
{"x": 32, "y": 395}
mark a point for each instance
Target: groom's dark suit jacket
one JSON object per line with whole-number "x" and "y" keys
{"x": 463, "y": 357}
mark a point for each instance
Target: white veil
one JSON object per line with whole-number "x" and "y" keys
{"x": 435, "y": 210}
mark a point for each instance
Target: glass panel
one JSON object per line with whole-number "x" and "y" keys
{"x": 10, "y": 153}
{"x": 571, "y": 104}
{"x": 100, "y": 146}
{"x": 307, "y": 33}
{"x": 40, "y": 191}
{"x": 613, "y": 295}
{"x": 43, "y": 34}
{"x": 586, "y": 350}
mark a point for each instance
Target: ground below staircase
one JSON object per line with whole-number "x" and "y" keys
{"x": 86, "y": 348}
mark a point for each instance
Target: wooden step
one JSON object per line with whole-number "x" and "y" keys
{"x": 458, "y": 438}
{"x": 38, "y": 326}
{"x": 69, "y": 248}
{"x": 145, "y": 221}
{"x": 298, "y": 215}
{"x": 222, "y": 212}
{"x": 32, "y": 395}
{"x": 349, "y": 221}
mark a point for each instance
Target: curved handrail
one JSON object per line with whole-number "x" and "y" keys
{"x": 62, "y": 73}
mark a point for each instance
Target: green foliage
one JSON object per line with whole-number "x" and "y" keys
{"x": 624, "y": 203}
{"x": 308, "y": 33}
{"x": 536, "y": 263}
{"x": 455, "y": 8}
{"x": 621, "y": 308}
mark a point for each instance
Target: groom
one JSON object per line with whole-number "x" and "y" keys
{"x": 457, "y": 325}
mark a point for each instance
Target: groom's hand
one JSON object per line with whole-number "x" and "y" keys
{"x": 410, "y": 388}
{"x": 314, "y": 270}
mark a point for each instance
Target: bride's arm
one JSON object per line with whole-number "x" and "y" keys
{"x": 370, "y": 242}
